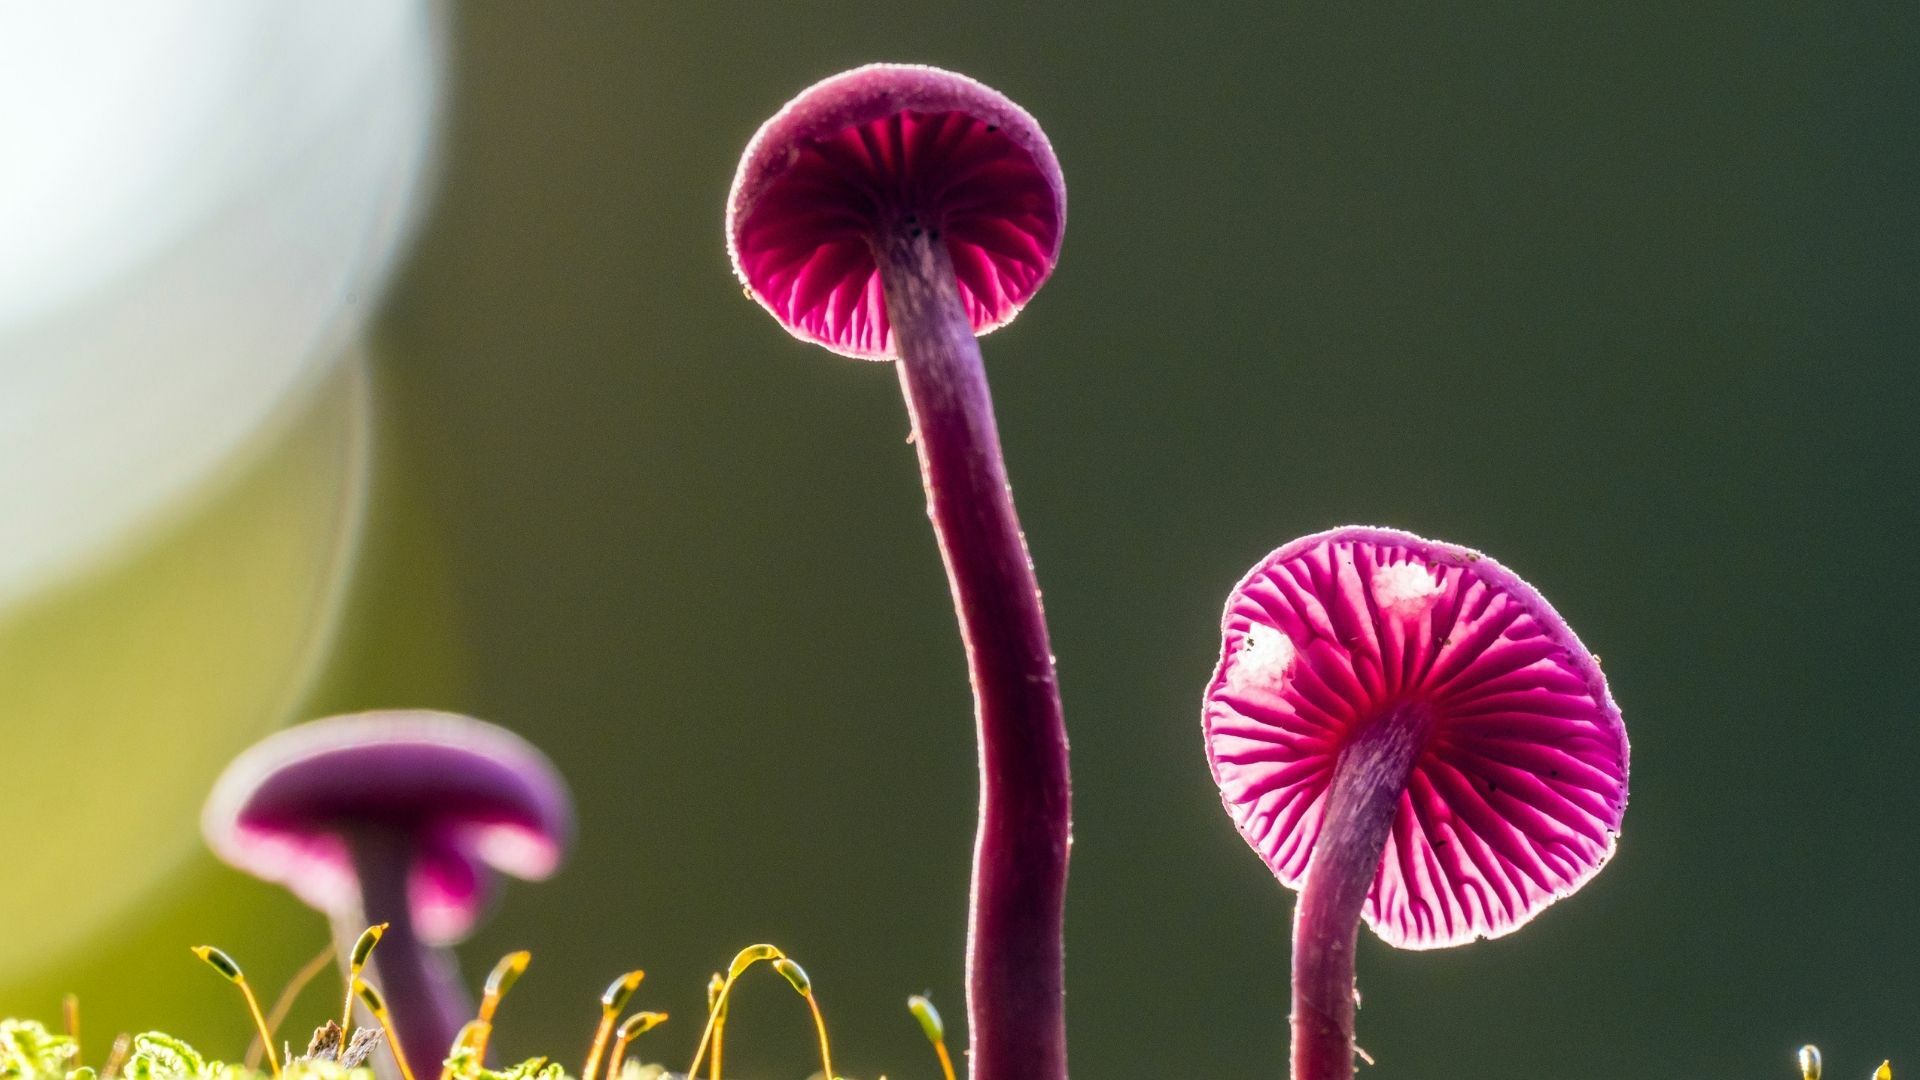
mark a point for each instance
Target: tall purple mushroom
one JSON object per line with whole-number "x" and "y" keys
{"x": 1408, "y": 733}
{"x": 896, "y": 211}
{"x": 395, "y": 817}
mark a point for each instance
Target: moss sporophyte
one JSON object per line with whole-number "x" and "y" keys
{"x": 31, "y": 1051}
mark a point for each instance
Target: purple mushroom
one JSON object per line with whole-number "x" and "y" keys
{"x": 1406, "y": 732}
{"x": 895, "y": 212}
{"x": 395, "y": 817}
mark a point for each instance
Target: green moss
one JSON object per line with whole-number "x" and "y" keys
{"x": 28, "y": 1051}
{"x": 463, "y": 1065}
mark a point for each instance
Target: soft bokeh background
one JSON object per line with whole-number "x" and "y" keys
{"x": 1623, "y": 296}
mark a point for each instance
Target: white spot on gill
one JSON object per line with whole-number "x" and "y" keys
{"x": 1405, "y": 588}
{"x": 1262, "y": 661}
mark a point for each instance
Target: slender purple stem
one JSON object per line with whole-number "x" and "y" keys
{"x": 1016, "y": 1003}
{"x": 1368, "y": 780}
{"x": 420, "y": 982}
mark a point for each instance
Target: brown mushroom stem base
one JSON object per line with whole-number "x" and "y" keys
{"x": 1368, "y": 780}
{"x": 1015, "y": 963}
{"x": 420, "y": 982}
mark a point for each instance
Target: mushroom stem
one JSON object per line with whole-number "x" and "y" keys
{"x": 1369, "y": 778}
{"x": 1015, "y": 964}
{"x": 420, "y": 982}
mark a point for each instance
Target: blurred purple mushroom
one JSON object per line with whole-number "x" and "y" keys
{"x": 1406, "y": 732}
{"x": 896, "y": 211}
{"x": 395, "y": 817}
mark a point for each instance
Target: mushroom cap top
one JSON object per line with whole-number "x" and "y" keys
{"x": 463, "y": 795}
{"x": 892, "y": 146}
{"x": 1517, "y": 796}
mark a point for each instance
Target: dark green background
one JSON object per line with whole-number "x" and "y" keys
{"x": 1622, "y": 296}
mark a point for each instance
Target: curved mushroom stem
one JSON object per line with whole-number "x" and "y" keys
{"x": 1368, "y": 779}
{"x": 420, "y": 982}
{"x": 1015, "y": 964}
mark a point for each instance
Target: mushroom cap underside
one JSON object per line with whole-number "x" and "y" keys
{"x": 892, "y": 146}
{"x": 1517, "y": 797}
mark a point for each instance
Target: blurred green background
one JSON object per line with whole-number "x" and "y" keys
{"x": 1623, "y": 296}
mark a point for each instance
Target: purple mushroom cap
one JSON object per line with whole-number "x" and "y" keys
{"x": 465, "y": 795}
{"x": 893, "y": 146}
{"x": 1516, "y": 798}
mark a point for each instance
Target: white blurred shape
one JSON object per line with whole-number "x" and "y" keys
{"x": 199, "y": 202}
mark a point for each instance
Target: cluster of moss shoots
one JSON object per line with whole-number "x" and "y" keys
{"x": 339, "y": 1050}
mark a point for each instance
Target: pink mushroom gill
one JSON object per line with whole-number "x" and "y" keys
{"x": 893, "y": 146}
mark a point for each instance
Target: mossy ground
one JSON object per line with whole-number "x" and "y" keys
{"x": 30, "y": 1051}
